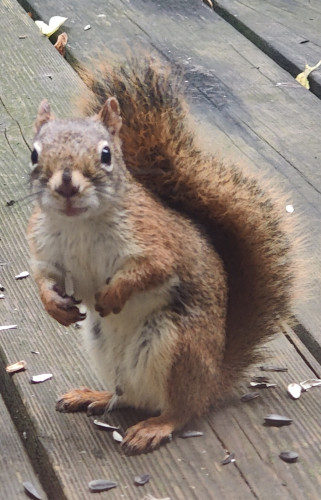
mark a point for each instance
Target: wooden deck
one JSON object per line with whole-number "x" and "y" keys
{"x": 240, "y": 60}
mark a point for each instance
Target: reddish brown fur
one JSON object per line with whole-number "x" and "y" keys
{"x": 243, "y": 214}
{"x": 238, "y": 215}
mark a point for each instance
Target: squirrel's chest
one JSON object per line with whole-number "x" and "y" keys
{"x": 88, "y": 254}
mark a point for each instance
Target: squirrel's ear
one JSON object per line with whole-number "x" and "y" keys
{"x": 110, "y": 115}
{"x": 44, "y": 115}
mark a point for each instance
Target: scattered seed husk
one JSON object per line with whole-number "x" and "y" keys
{"x": 10, "y": 203}
{"x": 262, "y": 385}
{"x": 19, "y": 366}
{"x": 228, "y": 459}
{"x": 2, "y": 288}
{"x": 311, "y": 382}
{"x": 141, "y": 480}
{"x": 101, "y": 485}
{"x": 249, "y": 396}
{"x": 1, "y": 295}
{"x": 22, "y": 275}
{"x": 35, "y": 352}
{"x": 289, "y": 456}
{"x": 277, "y": 420}
{"x": 117, "y": 437}
{"x": 190, "y": 434}
{"x": 8, "y": 327}
{"x": 294, "y": 390}
{"x": 149, "y": 496}
{"x": 105, "y": 426}
{"x": 261, "y": 379}
{"x": 87, "y": 27}
{"x": 43, "y": 377}
{"x": 289, "y": 209}
{"x": 31, "y": 490}
{"x": 271, "y": 368}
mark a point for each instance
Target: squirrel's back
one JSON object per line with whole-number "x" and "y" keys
{"x": 244, "y": 214}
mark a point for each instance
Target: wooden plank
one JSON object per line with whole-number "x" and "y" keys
{"x": 66, "y": 449}
{"x": 243, "y": 432}
{"x": 234, "y": 93}
{"x": 15, "y": 468}
{"x": 288, "y": 31}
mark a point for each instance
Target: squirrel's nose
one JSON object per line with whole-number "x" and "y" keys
{"x": 67, "y": 188}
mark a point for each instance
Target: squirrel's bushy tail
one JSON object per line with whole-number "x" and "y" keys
{"x": 244, "y": 216}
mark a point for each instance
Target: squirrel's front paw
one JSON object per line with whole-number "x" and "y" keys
{"x": 110, "y": 299}
{"x": 61, "y": 307}
{"x": 94, "y": 402}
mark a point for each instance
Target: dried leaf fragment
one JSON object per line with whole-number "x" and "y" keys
{"x": 277, "y": 420}
{"x": 43, "y": 377}
{"x": 101, "y": 485}
{"x": 54, "y": 24}
{"x": 302, "y": 78}
{"x": 22, "y": 275}
{"x": 31, "y": 490}
{"x": 141, "y": 480}
{"x": 61, "y": 43}
{"x": 19, "y": 366}
{"x": 289, "y": 456}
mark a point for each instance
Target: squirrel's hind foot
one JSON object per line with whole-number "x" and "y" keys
{"x": 84, "y": 399}
{"x": 149, "y": 434}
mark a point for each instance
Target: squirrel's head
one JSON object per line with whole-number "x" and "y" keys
{"x": 77, "y": 165}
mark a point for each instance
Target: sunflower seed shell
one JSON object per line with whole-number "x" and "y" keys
{"x": 101, "y": 485}
{"x": 277, "y": 420}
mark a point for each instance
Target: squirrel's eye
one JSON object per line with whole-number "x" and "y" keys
{"x": 106, "y": 156}
{"x": 34, "y": 157}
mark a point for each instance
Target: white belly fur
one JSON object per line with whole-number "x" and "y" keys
{"x": 133, "y": 349}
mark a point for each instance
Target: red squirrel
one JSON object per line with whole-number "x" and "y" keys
{"x": 186, "y": 265}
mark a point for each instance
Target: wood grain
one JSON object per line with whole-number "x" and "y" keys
{"x": 288, "y": 31}
{"x": 66, "y": 450}
{"x": 15, "y": 468}
{"x": 246, "y": 107}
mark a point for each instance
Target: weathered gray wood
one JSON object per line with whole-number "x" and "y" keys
{"x": 66, "y": 449}
{"x": 15, "y": 468}
{"x": 234, "y": 92}
{"x": 286, "y": 30}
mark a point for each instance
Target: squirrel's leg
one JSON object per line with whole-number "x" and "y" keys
{"x": 151, "y": 433}
{"x": 192, "y": 385}
{"x": 137, "y": 275}
{"x": 82, "y": 399}
{"x": 63, "y": 308}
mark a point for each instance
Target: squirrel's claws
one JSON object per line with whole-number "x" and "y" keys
{"x": 146, "y": 436}
{"x": 84, "y": 399}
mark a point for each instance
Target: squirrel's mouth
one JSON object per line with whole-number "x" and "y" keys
{"x": 71, "y": 211}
